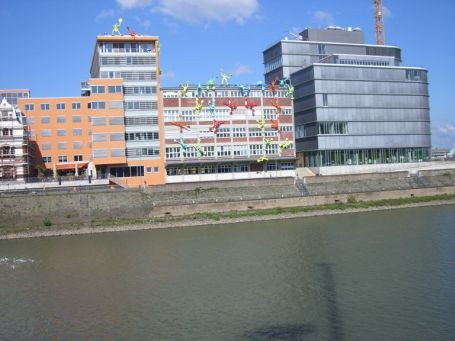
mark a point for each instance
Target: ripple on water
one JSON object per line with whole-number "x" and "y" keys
{"x": 14, "y": 262}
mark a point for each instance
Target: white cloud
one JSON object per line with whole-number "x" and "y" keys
{"x": 240, "y": 69}
{"x": 168, "y": 75}
{"x": 105, "y": 13}
{"x": 197, "y": 11}
{"x": 323, "y": 18}
{"x": 133, "y": 3}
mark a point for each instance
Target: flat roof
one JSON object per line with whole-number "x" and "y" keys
{"x": 126, "y": 37}
{"x": 15, "y": 90}
{"x": 327, "y": 43}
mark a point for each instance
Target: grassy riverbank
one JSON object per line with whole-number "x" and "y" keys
{"x": 112, "y": 225}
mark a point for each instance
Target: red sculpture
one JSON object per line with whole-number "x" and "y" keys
{"x": 181, "y": 124}
{"x": 276, "y": 104}
{"x": 216, "y": 125}
{"x": 275, "y": 124}
{"x": 273, "y": 87}
{"x": 250, "y": 105}
{"x": 231, "y": 105}
{"x": 131, "y": 32}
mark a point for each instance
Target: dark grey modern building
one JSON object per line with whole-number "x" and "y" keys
{"x": 355, "y": 104}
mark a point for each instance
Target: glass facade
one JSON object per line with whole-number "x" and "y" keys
{"x": 350, "y": 157}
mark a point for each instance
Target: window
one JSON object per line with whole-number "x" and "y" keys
{"x": 321, "y": 50}
{"x": 256, "y": 149}
{"x": 143, "y": 152}
{"x": 45, "y": 132}
{"x": 29, "y": 107}
{"x": 224, "y": 168}
{"x": 45, "y": 106}
{"x": 326, "y": 128}
{"x": 121, "y": 172}
{"x": 99, "y": 137}
{"x": 97, "y": 105}
{"x": 156, "y": 169}
{"x": 98, "y": 89}
{"x": 76, "y": 106}
{"x": 142, "y": 136}
{"x": 223, "y": 150}
{"x": 61, "y": 119}
{"x": 239, "y": 168}
{"x": 76, "y": 119}
{"x": 99, "y": 121}
{"x": 29, "y": 120}
{"x": 77, "y": 132}
{"x": 99, "y": 153}
{"x": 143, "y": 120}
{"x": 116, "y": 105}
{"x": 46, "y": 146}
{"x": 62, "y": 158}
{"x": 77, "y": 145}
{"x": 271, "y": 166}
{"x": 116, "y": 120}
{"x": 239, "y": 132}
{"x": 117, "y": 137}
{"x": 172, "y": 152}
{"x": 62, "y": 145}
{"x": 45, "y": 119}
{"x": 115, "y": 89}
{"x": 31, "y": 133}
{"x": 47, "y": 159}
{"x": 77, "y": 158}
{"x": 149, "y": 169}
{"x": 60, "y": 106}
{"x": 61, "y": 132}
{"x": 117, "y": 152}
{"x": 190, "y": 152}
{"x": 240, "y": 150}
{"x": 325, "y": 101}
{"x": 224, "y": 132}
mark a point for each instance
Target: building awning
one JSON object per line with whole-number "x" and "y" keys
{"x": 71, "y": 165}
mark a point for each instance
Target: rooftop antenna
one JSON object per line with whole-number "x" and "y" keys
{"x": 296, "y": 36}
{"x": 379, "y": 21}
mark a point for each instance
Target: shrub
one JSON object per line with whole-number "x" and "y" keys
{"x": 47, "y": 222}
{"x": 351, "y": 199}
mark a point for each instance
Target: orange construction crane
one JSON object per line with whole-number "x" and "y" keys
{"x": 379, "y": 21}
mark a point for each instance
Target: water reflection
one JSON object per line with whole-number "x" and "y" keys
{"x": 288, "y": 332}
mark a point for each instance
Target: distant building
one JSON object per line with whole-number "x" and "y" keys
{"x": 240, "y": 147}
{"x": 440, "y": 153}
{"x": 354, "y": 103}
{"x": 14, "y": 147}
{"x": 12, "y": 96}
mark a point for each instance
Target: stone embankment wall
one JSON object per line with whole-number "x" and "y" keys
{"x": 181, "y": 199}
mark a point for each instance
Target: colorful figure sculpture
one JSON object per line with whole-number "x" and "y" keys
{"x": 184, "y": 91}
{"x": 263, "y": 158}
{"x": 199, "y": 90}
{"x": 250, "y": 105}
{"x": 216, "y": 125}
{"x": 261, "y": 85}
{"x": 199, "y": 149}
{"x": 244, "y": 90}
{"x": 272, "y": 87}
{"x": 224, "y": 77}
{"x": 276, "y": 104}
{"x": 182, "y": 143}
{"x": 284, "y": 145}
{"x": 158, "y": 47}
{"x": 290, "y": 91}
{"x": 275, "y": 124}
{"x": 267, "y": 143}
{"x": 261, "y": 124}
{"x": 210, "y": 86}
{"x": 182, "y": 125}
{"x": 115, "y": 27}
{"x": 211, "y": 107}
{"x": 131, "y": 32}
{"x": 198, "y": 107}
{"x": 283, "y": 82}
{"x": 231, "y": 105}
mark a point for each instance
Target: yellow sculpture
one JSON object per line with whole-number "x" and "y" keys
{"x": 115, "y": 27}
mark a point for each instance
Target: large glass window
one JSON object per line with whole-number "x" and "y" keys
{"x": 60, "y": 106}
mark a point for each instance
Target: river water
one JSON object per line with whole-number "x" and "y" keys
{"x": 386, "y": 275}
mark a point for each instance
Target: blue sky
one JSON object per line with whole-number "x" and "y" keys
{"x": 47, "y": 45}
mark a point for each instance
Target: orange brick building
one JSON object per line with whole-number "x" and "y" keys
{"x": 115, "y": 128}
